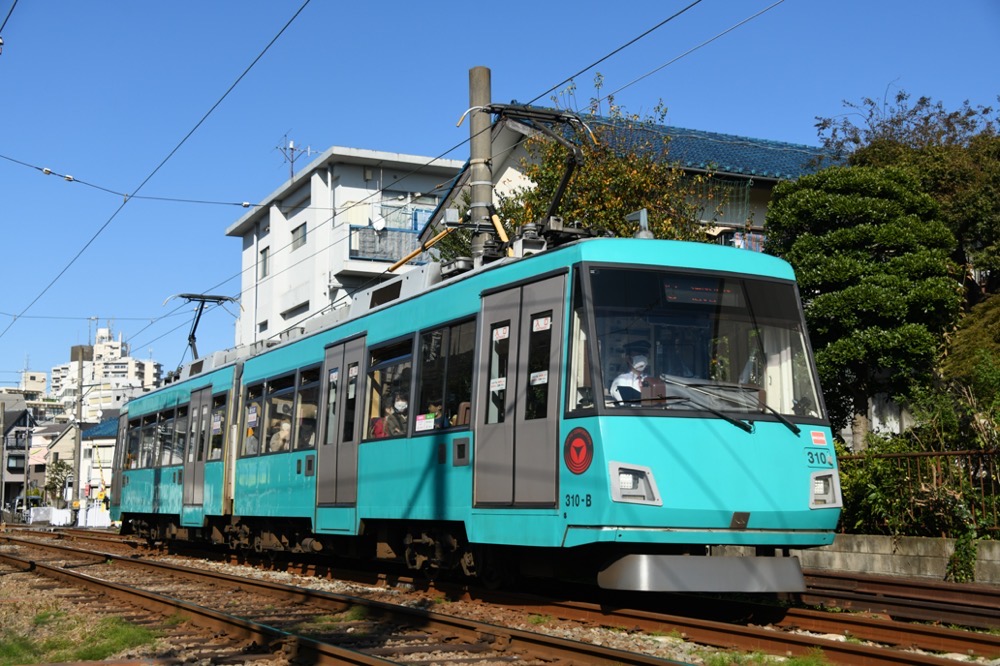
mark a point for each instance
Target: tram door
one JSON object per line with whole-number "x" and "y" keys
{"x": 518, "y": 395}
{"x": 118, "y": 467}
{"x": 337, "y": 470}
{"x": 197, "y": 444}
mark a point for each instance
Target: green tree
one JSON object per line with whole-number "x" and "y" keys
{"x": 626, "y": 167}
{"x": 878, "y": 287}
{"x": 56, "y": 474}
{"x": 954, "y": 153}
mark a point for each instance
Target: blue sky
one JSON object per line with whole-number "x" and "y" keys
{"x": 104, "y": 91}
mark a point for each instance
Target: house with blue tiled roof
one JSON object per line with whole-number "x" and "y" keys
{"x": 743, "y": 170}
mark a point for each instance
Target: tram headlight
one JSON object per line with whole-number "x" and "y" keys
{"x": 634, "y": 484}
{"x": 825, "y": 490}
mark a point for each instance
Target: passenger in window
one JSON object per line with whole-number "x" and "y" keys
{"x": 279, "y": 440}
{"x": 307, "y": 434}
{"x": 250, "y": 444}
{"x": 376, "y": 429}
{"x": 434, "y": 406}
{"x": 395, "y": 422}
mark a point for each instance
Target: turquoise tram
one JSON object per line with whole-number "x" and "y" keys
{"x": 640, "y": 413}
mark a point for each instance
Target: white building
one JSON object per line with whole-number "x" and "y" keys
{"x": 334, "y": 228}
{"x": 110, "y": 378}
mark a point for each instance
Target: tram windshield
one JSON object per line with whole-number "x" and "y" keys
{"x": 682, "y": 341}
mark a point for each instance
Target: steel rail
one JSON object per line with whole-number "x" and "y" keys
{"x": 542, "y": 645}
{"x": 973, "y": 605}
{"x": 293, "y": 645}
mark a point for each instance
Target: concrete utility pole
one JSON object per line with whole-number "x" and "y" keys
{"x": 480, "y": 157}
{"x": 3, "y": 457}
{"x": 79, "y": 353}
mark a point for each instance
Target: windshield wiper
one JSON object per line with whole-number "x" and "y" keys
{"x": 697, "y": 403}
{"x": 701, "y": 388}
{"x": 742, "y": 425}
{"x": 781, "y": 417}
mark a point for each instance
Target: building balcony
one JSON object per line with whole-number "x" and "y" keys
{"x": 389, "y": 245}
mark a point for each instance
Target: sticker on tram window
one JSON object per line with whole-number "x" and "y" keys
{"x": 818, "y": 438}
{"x": 352, "y": 372}
{"x": 501, "y": 333}
{"x": 216, "y": 424}
{"x": 539, "y": 378}
{"x": 498, "y": 384}
{"x": 819, "y": 458}
{"x": 252, "y": 416}
{"x": 334, "y": 374}
{"x": 541, "y": 324}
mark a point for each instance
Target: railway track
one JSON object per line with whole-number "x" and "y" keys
{"x": 321, "y": 627}
{"x": 779, "y": 637}
{"x": 906, "y": 598}
{"x": 788, "y": 631}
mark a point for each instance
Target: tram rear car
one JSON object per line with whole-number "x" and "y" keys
{"x": 643, "y": 412}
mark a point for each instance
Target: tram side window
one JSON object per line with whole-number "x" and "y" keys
{"x": 445, "y": 385}
{"x": 333, "y": 376}
{"x": 307, "y": 408}
{"x": 198, "y": 434}
{"x": 389, "y": 390}
{"x": 496, "y": 389}
{"x": 180, "y": 436}
{"x": 279, "y": 403}
{"x": 539, "y": 355}
{"x": 192, "y": 448}
{"x": 458, "y": 384}
{"x": 165, "y": 433}
{"x": 253, "y": 417}
{"x": 351, "y": 404}
{"x": 580, "y": 395}
{"x": 134, "y": 435}
{"x": 218, "y": 424}
{"x": 147, "y": 445}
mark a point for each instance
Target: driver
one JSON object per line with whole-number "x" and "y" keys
{"x": 627, "y": 387}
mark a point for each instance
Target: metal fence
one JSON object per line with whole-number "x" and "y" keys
{"x": 969, "y": 477}
{"x": 385, "y": 245}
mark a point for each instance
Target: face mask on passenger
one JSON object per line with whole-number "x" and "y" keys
{"x": 639, "y": 363}
{"x": 400, "y": 406}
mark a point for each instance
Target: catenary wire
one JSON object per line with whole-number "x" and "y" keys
{"x": 616, "y": 51}
{"x": 7, "y": 18}
{"x": 692, "y": 50}
{"x": 377, "y": 278}
{"x": 154, "y": 171}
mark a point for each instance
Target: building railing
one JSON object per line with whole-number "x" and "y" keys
{"x": 386, "y": 245}
{"x": 969, "y": 478}
{"x": 12, "y": 443}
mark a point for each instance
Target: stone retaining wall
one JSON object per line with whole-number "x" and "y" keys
{"x": 899, "y": 556}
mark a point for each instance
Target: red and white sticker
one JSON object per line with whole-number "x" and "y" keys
{"x": 818, "y": 438}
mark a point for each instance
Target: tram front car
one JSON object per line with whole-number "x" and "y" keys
{"x": 698, "y": 452}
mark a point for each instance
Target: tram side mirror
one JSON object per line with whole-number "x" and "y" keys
{"x": 586, "y": 398}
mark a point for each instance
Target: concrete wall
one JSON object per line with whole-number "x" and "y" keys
{"x": 899, "y": 556}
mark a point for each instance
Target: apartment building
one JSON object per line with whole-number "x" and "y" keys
{"x": 333, "y": 228}
{"x": 110, "y": 376}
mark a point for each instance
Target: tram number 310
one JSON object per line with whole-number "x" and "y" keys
{"x": 578, "y": 500}
{"x": 818, "y": 458}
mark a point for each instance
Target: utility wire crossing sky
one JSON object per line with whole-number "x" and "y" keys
{"x": 133, "y": 135}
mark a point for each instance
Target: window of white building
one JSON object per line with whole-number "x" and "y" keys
{"x": 263, "y": 263}
{"x": 298, "y": 236}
